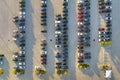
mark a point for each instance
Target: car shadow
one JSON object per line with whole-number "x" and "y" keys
{"x": 50, "y": 41}
{"x": 30, "y": 42}
{"x": 72, "y": 42}
{"x": 6, "y": 68}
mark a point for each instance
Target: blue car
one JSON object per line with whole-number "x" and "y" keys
{"x": 65, "y": 53}
{"x": 65, "y": 10}
{"x": 80, "y": 40}
{"x": 44, "y": 9}
{"x": 87, "y": 37}
{"x": 65, "y": 21}
{"x": 58, "y": 42}
{"x": 58, "y": 56}
{"x": 108, "y": 32}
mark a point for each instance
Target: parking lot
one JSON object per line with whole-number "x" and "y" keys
{"x": 10, "y": 8}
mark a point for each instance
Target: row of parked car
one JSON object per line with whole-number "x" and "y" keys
{"x": 1, "y": 59}
{"x": 83, "y": 30}
{"x": 19, "y": 37}
{"x": 44, "y": 12}
{"x": 61, "y": 36}
{"x": 43, "y": 55}
{"x": 44, "y": 52}
{"x": 105, "y": 34}
{"x": 65, "y": 36}
{"x": 102, "y": 6}
{"x": 44, "y": 15}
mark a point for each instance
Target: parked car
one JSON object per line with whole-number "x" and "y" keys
{"x": 44, "y": 31}
{"x": 101, "y": 29}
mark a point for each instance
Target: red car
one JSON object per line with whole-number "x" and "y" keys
{"x": 80, "y": 20}
{"x": 80, "y": 51}
{"x": 86, "y": 44}
{"x": 80, "y": 16}
{"x": 80, "y": 8}
{"x": 101, "y": 7}
{"x": 80, "y": 44}
{"x": 80, "y": 27}
{"x": 79, "y": 37}
{"x": 80, "y": 13}
{"x": 101, "y": 29}
{"x": 107, "y": 10}
{"x": 87, "y": 30}
{"x": 80, "y": 57}
{"x": 43, "y": 59}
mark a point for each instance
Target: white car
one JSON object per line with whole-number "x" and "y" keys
{"x": 21, "y": 63}
{"x": 108, "y": 18}
{"x": 14, "y": 39}
{"x": 22, "y": 67}
{"x": 65, "y": 0}
{"x": 80, "y": 34}
{"x": 22, "y": 52}
{"x": 22, "y": 13}
{"x": 58, "y": 32}
{"x": 80, "y": 54}
{"x": 44, "y": 52}
{"x": 108, "y": 7}
{"x": 21, "y": 27}
{"x": 38, "y": 67}
{"x": 22, "y": 48}
{"x": 57, "y": 22}
{"x": 80, "y": 23}
{"x": 15, "y": 56}
{"x": 22, "y": 16}
{"x": 101, "y": 33}
{"x": 79, "y": 1}
{"x": 44, "y": 2}
{"x": 57, "y": 46}
{"x": 1, "y": 60}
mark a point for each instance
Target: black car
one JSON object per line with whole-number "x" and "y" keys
{"x": 80, "y": 4}
{"x": 44, "y": 23}
{"x": 43, "y": 16}
{"x": 65, "y": 56}
{"x": 64, "y": 25}
{"x": 65, "y": 45}
{"x": 22, "y": 31}
{"x": 43, "y": 55}
{"x": 22, "y": 20}
{"x": 43, "y": 13}
{"x": 58, "y": 63}
{"x": 58, "y": 67}
{"x": 22, "y": 5}
{"x": 43, "y": 5}
{"x": 65, "y": 67}
{"x": 108, "y": 25}
{"x": 22, "y": 44}
{"x": 44, "y": 63}
{"x": 1, "y": 55}
{"x": 80, "y": 47}
{"x": 44, "y": 31}
{"x": 65, "y": 28}
{"x": 65, "y": 39}
{"x": 87, "y": 4}
{"x": 22, "y": 1}
{"x": 22, "y": 9}
{"x": 80, "y": 61}
{"x": 22, "y": 24}
{"x": 22, "y": 59}
{"x": 87, "y": 8}
{"x": 65, "y": 35}
{"x": 87, "y": 56}
{"x": 64, "y": 42}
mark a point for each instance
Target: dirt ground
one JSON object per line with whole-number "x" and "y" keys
{"x": 10, "y": 8}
